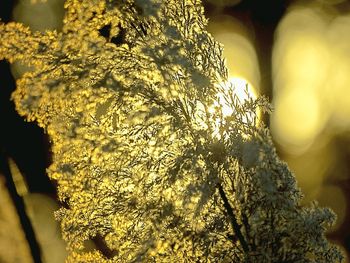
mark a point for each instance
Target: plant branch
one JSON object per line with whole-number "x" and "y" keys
{"x": 236, "y": 227}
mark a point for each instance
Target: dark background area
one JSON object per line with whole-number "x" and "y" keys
{"x": 23, "y": 141}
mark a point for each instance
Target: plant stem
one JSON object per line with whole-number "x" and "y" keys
{"x": 236, "y": 227}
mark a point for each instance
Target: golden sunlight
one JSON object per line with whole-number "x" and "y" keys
{"x": 239, "y": 51}
{"x": 238, "y": 87}
{"x": 241, "y": 61}
{"x": 241, "y": 88}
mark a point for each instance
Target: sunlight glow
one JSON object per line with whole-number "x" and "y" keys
{"x": 239, "y": 51}
{"x": 240, "y": 88}
{"x": 242, "y": 62}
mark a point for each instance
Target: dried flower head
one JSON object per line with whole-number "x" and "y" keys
{"x": 124, "y": 92}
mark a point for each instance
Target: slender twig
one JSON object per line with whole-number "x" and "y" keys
{"x": 236, "y": 227}
{"x": 24, "y": 219}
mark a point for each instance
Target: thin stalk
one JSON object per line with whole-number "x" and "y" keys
{"x": 236, "y": 227}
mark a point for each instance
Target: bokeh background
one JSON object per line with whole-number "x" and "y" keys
{"x": 296, "y": 53}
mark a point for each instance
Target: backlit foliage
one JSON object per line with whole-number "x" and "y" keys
{"x": 144, "y": 166}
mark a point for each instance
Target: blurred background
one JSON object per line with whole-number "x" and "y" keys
{"x": 296, "y": 53}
